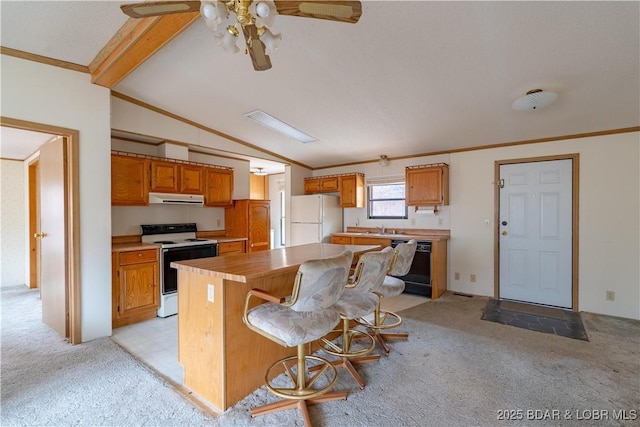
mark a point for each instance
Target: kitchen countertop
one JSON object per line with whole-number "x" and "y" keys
{"x": 138, "y": 245}
{"x": 250, "y": 266}
{"x": 397, "y": 236}
{"x": 133, "y": 246}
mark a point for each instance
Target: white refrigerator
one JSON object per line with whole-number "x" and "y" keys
{"x": 314, "y": 218}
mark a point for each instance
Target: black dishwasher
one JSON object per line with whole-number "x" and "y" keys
{"x": 418, "y": 280}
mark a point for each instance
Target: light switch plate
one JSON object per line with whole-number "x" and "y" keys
{"x": 210, "y": 293}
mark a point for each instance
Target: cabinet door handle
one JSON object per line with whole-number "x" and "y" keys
{"x": 39, "y": 235}
{"x": 504, "y": 232}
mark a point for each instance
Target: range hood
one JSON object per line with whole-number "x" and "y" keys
{"x": 176, "y": 199}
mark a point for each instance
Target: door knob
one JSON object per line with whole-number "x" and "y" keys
{"x": 504, "y": 232}
{"x": 41, "y": 235}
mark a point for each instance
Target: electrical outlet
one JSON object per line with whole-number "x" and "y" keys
{"x": 456, "y": 276}
{"x": 440, "y": 221}
{"x": 413, "y": 221}
{"x": 487, "y": 223}
{"x": 472, "y": 278}
{"x": 219, "y": 223}
{"x": 210, "y": 292}
{"x": 611, "y": 296}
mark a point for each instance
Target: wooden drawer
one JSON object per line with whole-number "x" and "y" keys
{"x": 135, "y": 257}
{"x": 230, "y": 247}
{"x": 341, "y": 240}
{"x": 371, "y": 241}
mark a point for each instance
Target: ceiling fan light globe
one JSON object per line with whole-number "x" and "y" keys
{"x": 208, "y": 10}
{"x": 263, "y": 12}
{"x": 271, "y": 41}
{"x": 229, "y": 42}
{"x": 262, "y": 9}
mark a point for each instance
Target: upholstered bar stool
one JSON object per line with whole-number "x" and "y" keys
{"x": 403, "y": 255}
{"x": 306, "y": 316}
{"x": 356, "y": 301}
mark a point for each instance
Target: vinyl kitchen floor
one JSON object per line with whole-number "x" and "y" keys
{"x": 155, "y": 342}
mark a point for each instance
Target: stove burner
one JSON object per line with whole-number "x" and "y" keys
{"x": 164, "y": 242}
{"x": 195, "y": 240}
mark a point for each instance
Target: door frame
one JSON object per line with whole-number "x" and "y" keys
{"x": 72, "y": 214}
{"x": 575, "y": 158}
{"x": 34, "y": 219}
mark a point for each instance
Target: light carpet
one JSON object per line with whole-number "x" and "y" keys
{"x": 455, "y": 369}
{"x": 46, "y": 381}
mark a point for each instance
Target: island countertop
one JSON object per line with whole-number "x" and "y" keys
{"x": 249, "y": 266}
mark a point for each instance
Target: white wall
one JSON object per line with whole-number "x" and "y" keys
{"x": 609, "y": 247}
{"x": 13, "y": 224}
{"x": 609, "y": 216}
{"x": 55, "y": 96}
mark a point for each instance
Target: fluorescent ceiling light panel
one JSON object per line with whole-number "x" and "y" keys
{"x": 271, "y": 122}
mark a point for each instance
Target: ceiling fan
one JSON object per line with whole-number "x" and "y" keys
{"x": 252, "y": 17}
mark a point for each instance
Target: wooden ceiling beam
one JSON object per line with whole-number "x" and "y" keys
{"x": 134, "y": 43}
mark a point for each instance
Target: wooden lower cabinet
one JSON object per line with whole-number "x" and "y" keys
{"x": 341, "y": 240}
{"x": 135, "y": 287}
{"x": 227, "y": 248}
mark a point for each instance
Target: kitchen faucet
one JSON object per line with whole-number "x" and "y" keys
{"x": 382, "y": 229}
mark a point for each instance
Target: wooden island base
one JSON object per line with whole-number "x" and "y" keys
{"x": 223, "y": 360}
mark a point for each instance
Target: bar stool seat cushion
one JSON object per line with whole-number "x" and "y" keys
{"x": 293, "y": 327}
{"x": 354, "y": 303}
{"x": 392, "y": 287}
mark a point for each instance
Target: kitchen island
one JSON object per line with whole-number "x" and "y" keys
{"x": 223, "y": 360}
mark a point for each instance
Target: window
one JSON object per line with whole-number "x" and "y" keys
{"x": 386, "y": 201}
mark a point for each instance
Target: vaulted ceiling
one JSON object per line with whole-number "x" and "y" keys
{"x": 410, "y": 78}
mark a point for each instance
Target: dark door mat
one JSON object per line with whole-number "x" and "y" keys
{"x": 536, "y": 318}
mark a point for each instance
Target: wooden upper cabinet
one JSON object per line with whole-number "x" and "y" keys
{"x": 350, "y": 187}
{"x": 428, "y": 185}
{"x": 129, "y": 181}
{"x": 165, "y": 176}
{"x": 218, "y": 187}
{"x": 191, "y": 179}
{"x": 258, "y": 187}
{"x": 352, "y": 191}
{"x": 322, "y": 184}
{"x": 311, "y": 185}
{"x": 329, "y": 184}
{"x": 133, "y": 176}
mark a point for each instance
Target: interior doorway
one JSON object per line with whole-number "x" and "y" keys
{"x": 536, "y": 231}
{"x": 71, "y": 256}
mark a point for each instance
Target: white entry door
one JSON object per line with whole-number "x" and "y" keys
{"x": 535, "y": 226}
{"x": 53, "y": 279}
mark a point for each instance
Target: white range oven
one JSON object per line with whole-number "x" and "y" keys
{"x": 178, "y": 242}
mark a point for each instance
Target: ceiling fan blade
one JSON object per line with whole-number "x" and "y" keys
{"x": 343, "y": 11}
{"x": 259, "y": 58}
{"x": 158, "y": 8}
